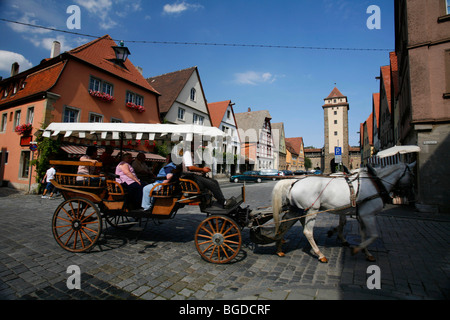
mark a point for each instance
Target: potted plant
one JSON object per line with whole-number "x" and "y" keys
{"x": 136, "y": 107}
{"x": 24, "y": 129}
{"x": 101, "y": 95}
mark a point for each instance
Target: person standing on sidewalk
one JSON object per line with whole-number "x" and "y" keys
{"x": 49, "y": 176}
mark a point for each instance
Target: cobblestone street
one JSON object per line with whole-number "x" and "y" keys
{"x": 163, "y": 264}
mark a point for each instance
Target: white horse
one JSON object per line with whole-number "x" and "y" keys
{"x": 314, "y": 194}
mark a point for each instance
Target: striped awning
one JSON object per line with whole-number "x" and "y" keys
{"x": 75, "y": 151}
{"x": 130, "y": 131}
{"x": 386, "y": 161}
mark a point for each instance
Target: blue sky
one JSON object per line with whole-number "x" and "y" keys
{"x": 290, "y": 83}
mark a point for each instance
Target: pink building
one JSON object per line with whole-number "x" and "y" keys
{"x": 86, "y": 84}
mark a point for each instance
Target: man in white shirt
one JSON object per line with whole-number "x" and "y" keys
{"x": 192, "y": 172}
{"x": 49, "y": 176}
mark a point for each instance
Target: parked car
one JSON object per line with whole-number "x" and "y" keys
{"x": 287, "y": 172}
{"x": 247, "y": 176}
{"x": 299, "y": 172}
{"x": 270, "y": 172}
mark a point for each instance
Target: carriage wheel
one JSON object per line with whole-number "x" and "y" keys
{"x": 76, "y": 224}
{"x": 218, "y": 239}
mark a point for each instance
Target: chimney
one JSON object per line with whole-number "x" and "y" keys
{"x": 56, "y": 49}
{"x": 14, "y": 69}
{"x": 249, "y": 109}
{"x": 140, "y": 70}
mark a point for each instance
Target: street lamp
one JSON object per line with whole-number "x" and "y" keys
{"x": 121, "y": 52}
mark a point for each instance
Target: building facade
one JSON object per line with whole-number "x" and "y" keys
{"x": 222, "y": 117}
{"x": 255, "y": 134}
{"x": 86, "y": 84}
{"x": 335, "y": 129}
{"x": 182, "y": 98}
{"x": 280, "y": 147}
{"x": 422, "y": 47}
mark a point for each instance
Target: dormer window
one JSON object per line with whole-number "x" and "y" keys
{"x": 193, "y": 94}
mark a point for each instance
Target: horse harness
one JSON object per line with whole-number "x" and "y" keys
{"x": 379, "y": 186}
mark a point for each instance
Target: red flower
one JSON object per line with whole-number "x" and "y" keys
{"x": 101, "y": 95}
{"x": 136, "y": 107}
{"x": 24, "y": 128}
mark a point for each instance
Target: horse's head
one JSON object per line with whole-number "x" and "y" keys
{"x": 407, "y": 176}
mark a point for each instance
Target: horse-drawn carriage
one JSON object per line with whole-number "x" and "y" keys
{"x": 92, "y": 200}
{"x": 78, "y": 220}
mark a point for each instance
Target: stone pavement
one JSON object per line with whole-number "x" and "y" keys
{"x": 412, "y": 255}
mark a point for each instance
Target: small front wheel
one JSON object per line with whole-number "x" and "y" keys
{"x": 76, "y": 225}
{"x": 218, "y": 239}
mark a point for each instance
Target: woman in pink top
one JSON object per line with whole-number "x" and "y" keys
{"x": 128, "y": 179}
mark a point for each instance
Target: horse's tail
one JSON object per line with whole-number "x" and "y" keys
{"x": 280, "y": 198}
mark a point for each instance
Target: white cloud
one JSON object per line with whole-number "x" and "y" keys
{"x": 180, "y": 7}
{"x": 7, "y": 58}
{"x": 108, "y": 10}
{"x": 28, "y": 18}
{"x": 100, "y": 8}
{"x": 254, "y": 78}
{"x": 46, "y": 43}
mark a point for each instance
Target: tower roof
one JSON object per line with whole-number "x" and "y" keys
{"x": 335, "y": 94}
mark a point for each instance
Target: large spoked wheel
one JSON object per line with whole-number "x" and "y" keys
{"x": 218, "y": 239}
{"x": 76, "y": 225}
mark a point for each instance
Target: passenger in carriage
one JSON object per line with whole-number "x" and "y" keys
{"x": 108, "y": 161}
{"x": 143, "y": 172}
{"x": 195, "y": 173}
{"x": 90, "y": 156}
{"x": 128, "y": 179}
{"x": 168, "y": 173}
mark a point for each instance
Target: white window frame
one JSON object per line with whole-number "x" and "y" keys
{"x": 198, "y": 119}
{"x": 95, "y": 115}
{"x": 134, "y": 98}
{"x": 181, "y": 115}
{"x": 30, "y": 115}
{"x": 68, "y": 108}
{"x": 17, "y": 116}
{"x": 4, "y": 122}
{"x": 95, "y": 84}
{"x": 193, "y": 94}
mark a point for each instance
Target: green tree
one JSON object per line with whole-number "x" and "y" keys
{"x": 308, "y": 163}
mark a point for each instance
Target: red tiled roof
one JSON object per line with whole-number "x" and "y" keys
{"x": 170, "y": 86}
{"x": 311, "y": 150}
{"x": 394, "y": 72}
{"x": 33, "y": 83}
{"x": 100, "y": 53}
{"x": 376, "y": 107}
{"x": 217, "y": 111}
{"x": 335, "y": 94}
{"x": 369, "y": 124}
{"x": 296, "y": 143}
{"x": 386, "y": 76}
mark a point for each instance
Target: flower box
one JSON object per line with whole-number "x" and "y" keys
{"x": 24, "y": 129}
{"x": 102, "y": 96}
{"x": 136, "y": 107}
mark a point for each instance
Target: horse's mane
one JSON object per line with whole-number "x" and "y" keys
{"x": 387, "y": 170}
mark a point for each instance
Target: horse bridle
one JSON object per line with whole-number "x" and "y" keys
{"x": 378, "y": 182}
